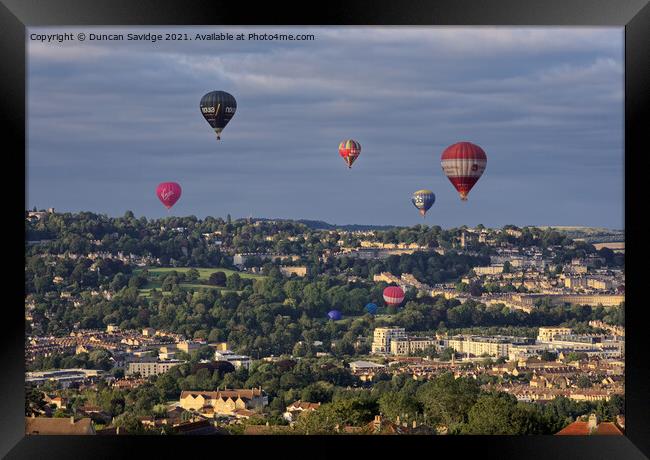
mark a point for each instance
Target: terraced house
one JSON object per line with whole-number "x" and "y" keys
{"x": 224, "y": 401}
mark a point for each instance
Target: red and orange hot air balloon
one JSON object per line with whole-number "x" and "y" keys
{"x": 393, "y": 296}
{"x": 168, "y": 193}
{"x": 463, "y": 163}
{"x": 349, "y": 151}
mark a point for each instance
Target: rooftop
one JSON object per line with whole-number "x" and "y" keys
{"x": 303, "y": 405}
{"x": 58, "y": 426}
{"x": 580, "y": 428}
{"x": 236, "y": 393}
{"x": 365, "y": 364}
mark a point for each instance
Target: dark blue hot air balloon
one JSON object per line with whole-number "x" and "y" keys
{"x": 218, "y": 107}
{"x": 335, "y": 315}
{"x": 371, "y": 308}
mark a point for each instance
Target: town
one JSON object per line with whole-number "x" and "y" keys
{"x": 220, "y": 326}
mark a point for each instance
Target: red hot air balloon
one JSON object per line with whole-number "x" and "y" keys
{"x": 349, "y": 151}
{"x": 393, "y": 296}
{"x": 463, "y": 163}
{"x": 168, "y": 193}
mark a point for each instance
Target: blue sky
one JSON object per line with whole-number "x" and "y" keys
{"x": 108, "y": 121}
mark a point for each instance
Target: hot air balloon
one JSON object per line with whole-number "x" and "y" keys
{"x": 423, "y": 200}
{"x": 463, "y": 163}
{"x": 371, "y": 308}
{"x": 350, "y": 151}
{"x": 335, "y": 315}
{"x": 218, "y": 107}
{"x": 393, "y": 296}
{"x": 168, "y": 193}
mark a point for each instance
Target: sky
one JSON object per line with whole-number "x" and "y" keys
{"x": 109, "y": 120}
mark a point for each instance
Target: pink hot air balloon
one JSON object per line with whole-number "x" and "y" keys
{"x": 393, "y": 296}
{"x": 168, "y": 193}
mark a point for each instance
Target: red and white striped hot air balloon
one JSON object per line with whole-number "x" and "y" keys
{"x": 463, "y": 163}
{"x": 393, "y": 296}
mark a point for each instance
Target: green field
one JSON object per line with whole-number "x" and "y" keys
{"x": 204, "y": 274}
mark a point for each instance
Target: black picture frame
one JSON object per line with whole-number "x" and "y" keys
{"x": 633, "y": 15}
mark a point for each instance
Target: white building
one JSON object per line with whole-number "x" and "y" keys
{"x": 523, "y": 352}
{"x": 490, "y": 270}
{"x": 298, "y": 271}
{"x": 365, "y": 366}
{"x": 63, "y": 376}
{"x": 410, "y": 345}
{"x": 236, "y": 360}
{"x": 382, "y": 337}
{"x": 151, "y": 367}
{"x": 546, "y": 334}
{"x": 602, "y": 284}
{"x": 297, "y": 408}
{"x": 496, "y": 346}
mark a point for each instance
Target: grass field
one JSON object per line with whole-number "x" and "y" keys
{"x": 349, "y": 317}
{"x": 204, "y": 274}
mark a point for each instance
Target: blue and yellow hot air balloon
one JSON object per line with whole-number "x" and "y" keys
{"x": 371, "y": 308}
{"x": 423, "y": 200}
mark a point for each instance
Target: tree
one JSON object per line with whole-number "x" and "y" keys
{"x": 217, "y": 279}
{"x": 447, "y": 400}
{"x": 130, "y": 422}
{"x": 34, "y": 402}
{"x": 223, "y": 367}
{"x": 575, "y": 356}
{"x": 100, "y": 359}
{"x": 168, "y": 385}
{"x": 60, "y": 413}
{"x": 119, "y": 281}
{"x": 300, "y": 349}
{"x": 42, "y": 284}
{"x": 159, "y": 410}
{"x": 500, "y": 414}
{"x": 192, "y": 275}
{"x": 205, "y": 352}
{"x": 447, "y": 354}
{"x": 318, "y": 392}
{"x": 475, "y": 289}
{"x": 315, "y": 422}
{"x": 583, "y": 381}
{"x": 137, "y": 281}
{"x": 214, "y": 335}
{"x": 548, "y": 355}
{"x": 234, "y": 282}
{"x": 118, "y": 373}
{"x": 394, "y": 405}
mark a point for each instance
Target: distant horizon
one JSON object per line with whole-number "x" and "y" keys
{"x": 297, "y": 219}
